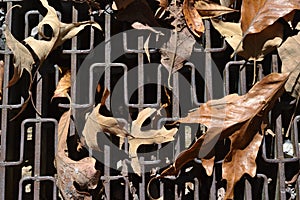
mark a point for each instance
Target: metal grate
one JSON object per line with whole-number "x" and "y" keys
{"x": 13, "y": 185}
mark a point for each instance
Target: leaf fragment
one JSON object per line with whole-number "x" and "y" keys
{"x": 192, "y": 17}
{"x": 177, "y": 50}
{"x": 60, "y": 32}
{"x": 242, "y": 162}
{"x": 209, "y": 9}
{"x": 289, "y": 55}
{"x": 63, "y": 86}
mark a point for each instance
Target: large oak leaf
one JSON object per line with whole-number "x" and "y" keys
{"x": 256, "y": 15}
{"x": 240, "y": 116}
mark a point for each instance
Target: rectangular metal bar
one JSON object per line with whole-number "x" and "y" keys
{"x": 140, "y": 73}
{"x": 4, "y": 113}
{"x": 38, "y": 128}
{"x": 208, "y": 64}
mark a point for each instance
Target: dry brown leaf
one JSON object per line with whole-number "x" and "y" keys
{"x": 256, "y": 15}
{"x": 98, "y": 123}
{"x": 63, "y": 86}
{"x": 177, "y": 50}
{"x": 22, "y": 56}
{"x": 208, "y": 165}
{"x": 294, "y": 179}
{"x": 163, "y": 3}
{"x": 242, "y": 162}
{"x": 192, "y": 17}
{"x": 209, "y": 9}
{"x": 1, "y": 77}
{"x": 140, "y": 137}
{"x": 82, "y": 172}
{"x": 42, "y": 48}
{"x": 254, "y": 46}
{"x": 289, "y": 55}
{"x": 241, "y": 116}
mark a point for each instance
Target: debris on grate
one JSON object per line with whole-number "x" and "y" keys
{"x": 221, "y": 193}
{"x": 288, "y": 148}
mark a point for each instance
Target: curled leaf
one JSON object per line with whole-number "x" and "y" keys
{"x": 192, "y": 17}
{"x": 81, "y": 172}
{"x": 240, "y": 117}
{"x": 60, "y": 32}
{"x": 22, "y": 56}
{"x": 209, "y": 9}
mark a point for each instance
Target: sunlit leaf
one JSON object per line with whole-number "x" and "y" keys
{"x": 254, "y": 46}
{"x": 289, "y": 55}
{"x": 63, "y": 86}
{"x": 81, "y": 172}
{"x": 240, "y": 117}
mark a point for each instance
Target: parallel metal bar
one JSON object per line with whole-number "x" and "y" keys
{"x": 107, "y": 170}
{"x": 265, "y": 188}
{"x": 140, "y": 73}
{"x": 21, "y": 157}
{"x": 73, "y": 71}
{"x": 107, "y": 56}
{"x": 208, "y": 64}
{"x": 38, "y": 179}
{"x": 38, "y": 130}
{"x": 4, "y": 113}
{"x": 248, "y": 190}
{"x": 281, "y": 170}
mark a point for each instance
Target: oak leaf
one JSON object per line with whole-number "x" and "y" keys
{"x": 24, "y": 59}
{"x": 140, "y": 137}
{"x": 240, "y": 117}
{"x": 97, "y": 123}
